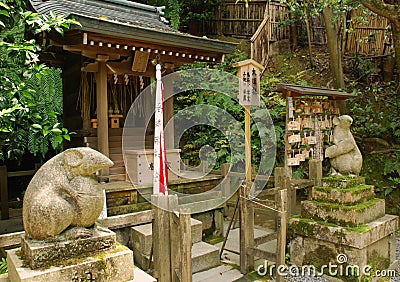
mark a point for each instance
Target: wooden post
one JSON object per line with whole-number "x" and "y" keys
{"x": 175, "y": 238}
{"x": 291, "y": 196}
{"x": 225, "y": 187}
{"x": 281, "y": 230}
{"x": 219, "y": 222}
{"x": 248, "y": 141}
{"x": 315, "y": 172}
{"x": 4, "y": 192}
{"x": 161, "y": 239}
{"x": 102, "y": 109}
{"x": 186, "y": 245}
{"x": 246, "y": 218}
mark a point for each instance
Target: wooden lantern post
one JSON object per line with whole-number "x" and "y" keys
{"x": 249, "y": 95}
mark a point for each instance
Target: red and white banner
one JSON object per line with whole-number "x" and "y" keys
{"x": 160, "y": 181}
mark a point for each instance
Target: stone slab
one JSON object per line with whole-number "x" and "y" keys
{"x": 141, "y": 276}
{"x": 141, "y": 236}
{"x": 204, "y": 256}
{"x": 373, "y": 231}
{"x": 357, "y": 194}
{"x": 344, "y": 215}
{"x": 111, "y": 265}
{"x": 342, "y": 181}
{"x": 221, "y": 273}
{"x": 38, "y": 253}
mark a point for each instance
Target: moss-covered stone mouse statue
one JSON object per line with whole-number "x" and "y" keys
{"x": 345, "y": 157}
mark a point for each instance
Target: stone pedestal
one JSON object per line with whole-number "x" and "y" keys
{"x": 97, "y": 258}
{"x": 343, "y": 217}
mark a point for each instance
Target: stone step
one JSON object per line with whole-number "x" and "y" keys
{"x": 342, "y": 181}
{"x": 357, "y": 194}
{"x": 222, "y": 273}
{"x": 141, "y": 236}
{"x": 141, "y": 276}
{"x": 344, "y": 215}
{"x": 204, "y": 256}
{"x": 117, "y": 177}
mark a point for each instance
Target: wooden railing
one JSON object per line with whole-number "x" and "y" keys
{"x": 260, "y": 42}
{"x": 270, "y": 30}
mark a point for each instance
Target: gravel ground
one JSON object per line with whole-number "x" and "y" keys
{"x": 321, "y": 279}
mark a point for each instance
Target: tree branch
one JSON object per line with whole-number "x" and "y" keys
{"x": 381, "y": 8}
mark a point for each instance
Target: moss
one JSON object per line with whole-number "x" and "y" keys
{"x": 212, "y": 239}
{"x": 361, "y": 207}
{"x": 306, "y": 226}
{"x": 358, "y": 189}
{"x": 319, "y": 256}
{"x": 342, "y": 181}
{"x": 361, "y": 228}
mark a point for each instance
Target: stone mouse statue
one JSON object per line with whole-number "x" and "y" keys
{"x": 345, "y": 157}
{"x": 64, "y": 193}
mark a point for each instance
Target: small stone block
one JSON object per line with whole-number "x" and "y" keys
{"x": 38, "y": 253}
{"x": 111, "y": 265}
{"x": 357, "y": 194}
{"x": 344, "y": 215}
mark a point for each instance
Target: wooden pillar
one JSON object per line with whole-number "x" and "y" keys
{"x": 4, "y": 192}
{"x": 281, "y": 231}
{"x": 161, "y": 239}
{"x": 168, "y": 114}
{"x": 246, "y": 218}
{"x": 102, "y": 109}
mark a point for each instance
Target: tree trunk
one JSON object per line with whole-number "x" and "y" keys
{"x": 334, "y": 47}
{"x": 308, "y": 37}
{"x": 293, "y": 32}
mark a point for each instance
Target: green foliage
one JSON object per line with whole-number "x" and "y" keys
{"x": 3, "y": 266}
{"x": 31, "y": 93}
{"x": 375, "y": 111}
{"x": 180, "y": 12}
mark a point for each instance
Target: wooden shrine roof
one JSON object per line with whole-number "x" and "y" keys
{"x": 298, "y": 90}
{"x": 113, "y": 20}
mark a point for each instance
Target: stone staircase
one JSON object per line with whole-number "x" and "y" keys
{"x": 204, "y": 256}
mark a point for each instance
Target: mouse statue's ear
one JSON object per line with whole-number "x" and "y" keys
{"x": 336, "y": 120}
{"x": 73, "y": 157}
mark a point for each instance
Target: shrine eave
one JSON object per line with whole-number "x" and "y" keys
{"x": 153, "y": 36}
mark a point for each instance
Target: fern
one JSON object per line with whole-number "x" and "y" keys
{"x": 3, "y": 266}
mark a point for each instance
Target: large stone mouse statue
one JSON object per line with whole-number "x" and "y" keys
{"x": 64, "y": 193}
{"x": 345, "y": 157}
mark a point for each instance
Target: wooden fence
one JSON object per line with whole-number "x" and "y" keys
{"x": 368, "y": 34}
{"x": 234, "y": 19}
{"x": 4, "y": 175}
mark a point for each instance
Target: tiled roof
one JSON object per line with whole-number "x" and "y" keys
{"x": 130, "y": 20}
{"x": 135, "y": 14}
